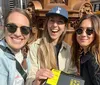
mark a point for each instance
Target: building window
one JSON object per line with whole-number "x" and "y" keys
{"x": 96, "y": 7}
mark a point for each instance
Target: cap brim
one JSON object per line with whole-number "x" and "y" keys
{"x": 50, "y": 14}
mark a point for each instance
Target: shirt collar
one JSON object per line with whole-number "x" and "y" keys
{"x": 64, "y": 45}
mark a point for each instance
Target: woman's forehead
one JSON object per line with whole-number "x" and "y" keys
{"x": 17, "y": 18}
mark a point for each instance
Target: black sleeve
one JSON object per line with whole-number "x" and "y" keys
{"x": 94, "y": 70}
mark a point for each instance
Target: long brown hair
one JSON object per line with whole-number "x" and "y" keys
{"x": 46, "y": 49}
{"x": 94, "y": 47}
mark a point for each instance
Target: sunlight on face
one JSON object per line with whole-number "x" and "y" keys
{"x": 56, "y": 26}
{"x": 84, "y": 39}
{"x": 17, "y": 40}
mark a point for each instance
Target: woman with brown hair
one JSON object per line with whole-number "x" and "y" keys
{"x": 86, "y": 49}
{"x": 50, "y": 52}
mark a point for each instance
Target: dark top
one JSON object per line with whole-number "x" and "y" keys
{"x": 89, "y": 69}
{"x": 57, "y": 49}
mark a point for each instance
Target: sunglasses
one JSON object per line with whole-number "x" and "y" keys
{"x": 89, "y": 31}
{"x": 12, "y": 29}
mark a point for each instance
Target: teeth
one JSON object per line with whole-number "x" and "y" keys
{"x": 17, "y": 40}
{"x": 55, "y": 30}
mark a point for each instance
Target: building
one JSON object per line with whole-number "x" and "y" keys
{"x": 96, "y": 5}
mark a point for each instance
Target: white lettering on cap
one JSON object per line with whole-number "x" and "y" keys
{"x": 58, "y": 10}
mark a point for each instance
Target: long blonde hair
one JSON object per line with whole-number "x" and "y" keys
{"x": 46, "y": 50}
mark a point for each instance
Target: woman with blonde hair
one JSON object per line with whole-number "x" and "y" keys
{"x": 50, "y": 52}
{"x": 86, "y": 49}
{"x": 17, "y": 31}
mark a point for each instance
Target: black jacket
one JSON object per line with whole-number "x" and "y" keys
{"x": 89, "y": 69}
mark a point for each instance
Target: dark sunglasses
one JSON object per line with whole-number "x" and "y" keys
{"x": 12, "y": 28}
{"x": 89, "y": 31}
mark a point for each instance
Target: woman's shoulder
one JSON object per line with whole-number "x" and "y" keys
{"x": 35, "y": 44}
{"x": 1, "y": 54}
{"x": 2, "y": 47}
{"x": 4, "y": 56}
{"x": 66, "y": 45}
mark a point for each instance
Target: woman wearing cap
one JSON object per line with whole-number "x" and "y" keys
{"x": 12, "y": 62}
{"x": 50, "y": 52}
{"x": 86, "y": 49}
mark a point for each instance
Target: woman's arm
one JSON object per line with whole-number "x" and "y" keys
{"x": 3, "y": 72}
{"x": 33, "y": 65}
{"x": 42, "y": 75}
{"x": 35, "y": 74}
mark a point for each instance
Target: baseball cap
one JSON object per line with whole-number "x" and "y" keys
{"x": 59, "y": 11}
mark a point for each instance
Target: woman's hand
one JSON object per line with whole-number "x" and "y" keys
{"x": 41, "y": 75}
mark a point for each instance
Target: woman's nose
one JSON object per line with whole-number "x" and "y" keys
{"x": 18, "y": 32}
{"x": 84, "y": 33}
{"x": 55, "y": 23}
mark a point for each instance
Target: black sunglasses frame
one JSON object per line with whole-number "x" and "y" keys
{"x": 89, "y": 31}
{"x": 11, "y": 27}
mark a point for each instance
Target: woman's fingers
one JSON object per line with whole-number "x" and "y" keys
{"x": 44, "y": 74}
